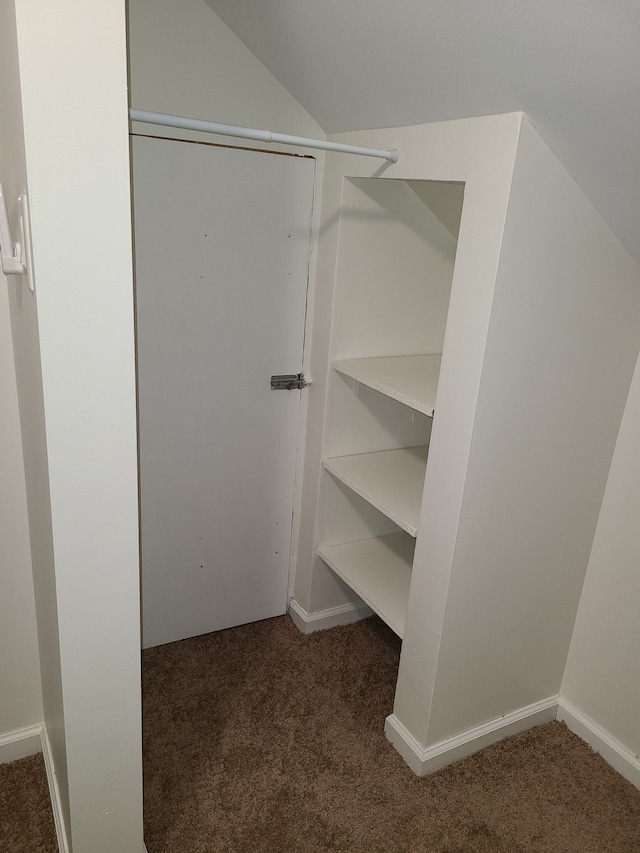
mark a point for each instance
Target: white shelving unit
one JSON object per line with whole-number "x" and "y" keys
{"x": 379, "y": 571}
{"x": 391, "y": 480}
{"x": 409, "y": 379}
{"x": 393, "y": 284}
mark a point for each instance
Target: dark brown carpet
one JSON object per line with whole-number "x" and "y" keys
{"x": 261, "y": 740}
{"x": 26, "y": 819}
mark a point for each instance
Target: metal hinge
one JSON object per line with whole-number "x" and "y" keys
{"x": 288, "y": 382}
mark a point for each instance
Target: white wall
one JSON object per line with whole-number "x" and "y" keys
{"x": 185, "y": 61}
{"x": 21, "y": 704}
{"x": 74, "y": 98}
{"x": 602, "y": 678}
{"x": 573, "y": 68}
{"x": 562, "y": 343}
{"x": 20, "y": 667}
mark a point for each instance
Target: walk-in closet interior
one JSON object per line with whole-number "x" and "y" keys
{"x": 466, "y": 353}
{"x": 377, "y": 394}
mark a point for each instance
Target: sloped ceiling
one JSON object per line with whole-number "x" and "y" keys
{"x": 572, "y": 65}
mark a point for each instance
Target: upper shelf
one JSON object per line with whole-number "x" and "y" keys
{"x": 409, "y": 379}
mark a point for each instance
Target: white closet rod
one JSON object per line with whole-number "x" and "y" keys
{"x": 260, "y": 135}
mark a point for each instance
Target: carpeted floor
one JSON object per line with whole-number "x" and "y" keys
{"x": 26, "y": 819}
{"x": 261, "y": 740}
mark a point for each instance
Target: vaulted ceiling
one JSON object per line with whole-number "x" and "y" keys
{"x": 572, "y": 65}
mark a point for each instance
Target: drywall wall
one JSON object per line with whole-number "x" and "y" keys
{"x": 601, "y": 678}
{"x": 562, "y": 343}
{"x": 574, "y": 67}
{"x": 74, "y": 98}
{"x": 185, "y": 61}
{"x": 27, "y": 367}
{"x": 21, "y": 704}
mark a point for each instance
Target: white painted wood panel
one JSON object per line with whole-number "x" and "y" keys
{"x": 77, "y": 357}
{"x": 412, "y": 379}
{"x": 391, "y": 480}
{"x": 379, "y": 571}
{"x": 222, "y": 249}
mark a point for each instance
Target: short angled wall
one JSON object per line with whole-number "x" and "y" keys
{"x": 425, "y": 760}
{"x": 330, "y": 618}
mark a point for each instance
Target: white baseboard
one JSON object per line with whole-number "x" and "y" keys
{"x": 424, "y": 760}
{"x": 614, "y": 753}
{"x": 20, "y": 743}
{"x": 330, "y": 618}
{"x": 54, "y": 792}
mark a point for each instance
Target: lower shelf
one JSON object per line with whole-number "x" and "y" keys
{"x": 379, "y": 571}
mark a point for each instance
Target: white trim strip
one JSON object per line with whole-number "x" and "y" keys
{"x": 424, "y": 760}
{"x": 20, "y": 743}
{"x": 345, "y": 614}
{"x": 613, "y": 752}
{"x": 259, "y": 135}
{"x": 54, "y": 792}
{"x": 30, "y": 741}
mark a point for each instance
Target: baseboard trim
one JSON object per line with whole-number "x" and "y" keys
{"x": 54, "y": 792}
{"x": 424, "y": 760}
{"x": 614, "y": 753}
{"x": 20, "y": 743}
{"x": 330, "y": 618}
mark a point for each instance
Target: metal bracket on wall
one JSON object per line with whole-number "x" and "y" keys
{"x": 289, "y": 382}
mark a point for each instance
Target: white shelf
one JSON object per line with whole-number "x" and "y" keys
{"x": 379, "y": 571}
{"x": 409, "y": 379}
{"x": 391, "y": 480}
